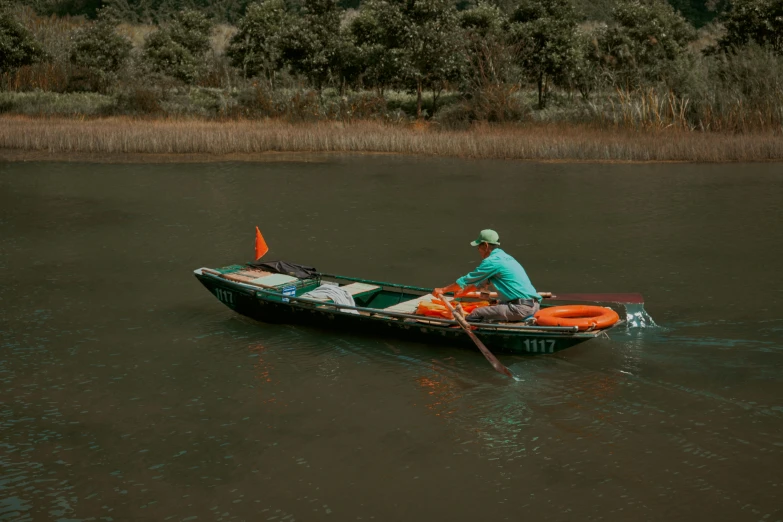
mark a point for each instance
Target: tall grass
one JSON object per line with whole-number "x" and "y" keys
{"x": 535, "y": 142}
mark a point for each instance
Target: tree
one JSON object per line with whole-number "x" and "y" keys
{"x": 644, "y": 39}
{"x": 699, "y": 12}
{"x": 486, "y": 47}
{"x": 759, "y": 21}
{"x": 585, "y": 72}
{"x": 431, "y": 47}
{"x": 379, "y": 36}
{"x": 489, "y": 80}
{"x": 410, "y": 42}
{"x": 544, "y": 31}
{"x": 17, "y": 45}
{"x": 100, "y": 51}
{"x": 143, "y": 11}
{"x": 191, "y": 30}
{"x": 350, "y": 61}
{"x": 311, "y": 42}
{"x": 255, "y": 48}
{"x": 178, "y": 49}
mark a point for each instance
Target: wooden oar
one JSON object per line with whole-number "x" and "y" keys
{"x": 605, "y": 298}
{"x": 465, "y": 326}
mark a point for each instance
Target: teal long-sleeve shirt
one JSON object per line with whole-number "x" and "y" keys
{"x": 505, "y": 273}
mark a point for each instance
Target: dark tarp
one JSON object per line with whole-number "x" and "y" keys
{"x": 284, "y": 267}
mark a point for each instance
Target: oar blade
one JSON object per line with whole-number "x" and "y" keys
{"x": 500, "y": 368}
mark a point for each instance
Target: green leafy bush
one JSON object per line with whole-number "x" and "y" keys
{"x": 255, "y": 48}
{"x": 310, "y": 43}
{"x": 99, "y": 52}
{"x": 178, "y": 49}
{"x": 17, "y": 45}
{"x": 759, "y": 21}
{"x": 544, "y": 31}
{"x": 643, "y": 40}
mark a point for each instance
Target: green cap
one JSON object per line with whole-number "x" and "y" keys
{"x": 487, "y": 236}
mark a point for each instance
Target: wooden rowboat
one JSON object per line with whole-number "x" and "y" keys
{"x": 383, "y": 309}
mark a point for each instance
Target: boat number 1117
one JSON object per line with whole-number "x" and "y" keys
{"x": 224, "y": 295}
{"x": 540, "y": 345}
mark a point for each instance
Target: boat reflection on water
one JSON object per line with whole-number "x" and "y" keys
{"x": 555, "y": 402}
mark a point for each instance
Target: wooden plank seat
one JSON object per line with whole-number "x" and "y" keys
{"x": 261, "y": 278}
{"x": 247, "y": 275}
{"x": 355, "y": 289}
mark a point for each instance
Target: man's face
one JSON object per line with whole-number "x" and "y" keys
{"x": 483, "y": 249}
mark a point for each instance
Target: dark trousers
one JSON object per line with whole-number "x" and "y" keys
{"x": 503, "y": 312}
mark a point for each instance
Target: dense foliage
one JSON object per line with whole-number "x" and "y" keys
{"x": 697, "y": 12}
{"x": 100, "y": 52}
{"x": 544, "y": 31}
{"x": 310, "y": 43}
{"x": 759, "y": 21}
{"x": 17, "y": 45}
{"x": 644, "y": 40}
{"x": 143, "y": 11}
{"x": 178, "y": 48}
{"x": 487, "y": 62}
{"x": 255, "y": 48}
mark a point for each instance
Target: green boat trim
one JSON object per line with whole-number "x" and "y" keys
{"x": 378, "y": 283}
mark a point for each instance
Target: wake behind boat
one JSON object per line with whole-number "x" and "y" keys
{"x": 390, "y": 310}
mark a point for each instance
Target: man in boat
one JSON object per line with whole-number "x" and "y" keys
{"x": 518, "y": 298}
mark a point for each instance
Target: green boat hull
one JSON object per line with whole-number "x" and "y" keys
{"x": 274, "y": 309}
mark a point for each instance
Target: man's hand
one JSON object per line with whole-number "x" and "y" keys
{"x": 454, "y": 287}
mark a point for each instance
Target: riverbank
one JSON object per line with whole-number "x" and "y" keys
{"x": 128, "y": 139}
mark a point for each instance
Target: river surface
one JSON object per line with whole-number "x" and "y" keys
{"x": 128, "y": 392}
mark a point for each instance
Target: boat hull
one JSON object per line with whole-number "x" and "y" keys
{"x": 251, "y": 304}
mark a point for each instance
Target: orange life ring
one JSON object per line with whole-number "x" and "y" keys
{"x": 583, "y": 316}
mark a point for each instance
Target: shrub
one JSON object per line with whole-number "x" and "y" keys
{"x": 255, "y": 48}
{"x": 310, "y": 43}
{"x": 99, "y": 52}
{"x": 740, "y": 90}
{"x": 139, "y": 101}
{"x": 646, "y": 36}
{"x": 17, "y": 45}
{"x": 178, "y": 49}
{"x": 544, "y": 31}
{"x": 257, "y": 102}
{"x": 759, "y": 21}
{"x": 458, "y": 116}
{"x": 747, "y": 90}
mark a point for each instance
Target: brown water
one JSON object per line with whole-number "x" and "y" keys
{"x": 130, "y": 393}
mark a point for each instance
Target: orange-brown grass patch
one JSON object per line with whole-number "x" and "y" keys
{"x": 123, "y": 136}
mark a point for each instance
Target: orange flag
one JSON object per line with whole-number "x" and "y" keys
{"x": 261, "y": 247}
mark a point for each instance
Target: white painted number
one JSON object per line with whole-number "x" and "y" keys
{"x": 224, "y": 295}
{"x": 540, "y": 345}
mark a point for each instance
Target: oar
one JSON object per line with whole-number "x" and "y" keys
{"x": 465, "y": 326}
{"x": 605, "y": 298}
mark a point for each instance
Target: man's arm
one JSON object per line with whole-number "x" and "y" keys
{"x": 453, "y": 287}
{"x": 469, "y": 282}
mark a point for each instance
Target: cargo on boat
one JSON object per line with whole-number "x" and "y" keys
{"x": 388, "y": 310}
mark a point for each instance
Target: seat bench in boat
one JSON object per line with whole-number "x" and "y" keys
{"x": 355, "y": 289}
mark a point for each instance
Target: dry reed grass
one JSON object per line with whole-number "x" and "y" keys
{"x": 123, "y": 136}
